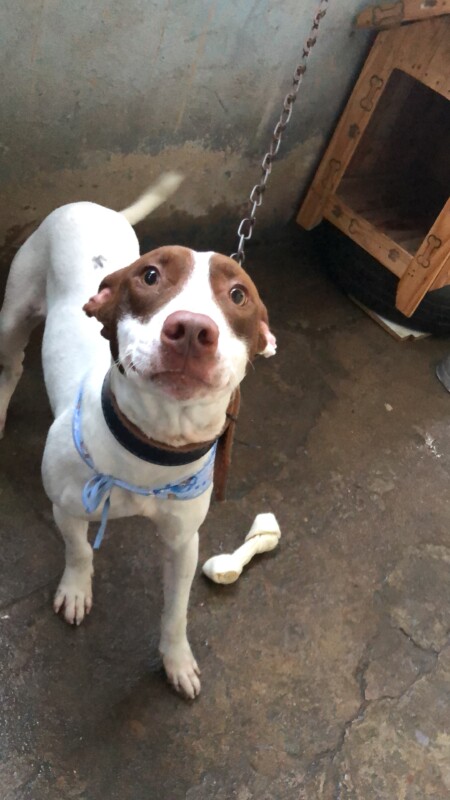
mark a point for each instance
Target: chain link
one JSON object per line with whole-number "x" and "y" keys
{"x": 245, "y": 229}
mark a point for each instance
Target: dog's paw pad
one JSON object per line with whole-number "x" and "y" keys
{"x": 74, "y": 597}
{"x": 183, "y": 673}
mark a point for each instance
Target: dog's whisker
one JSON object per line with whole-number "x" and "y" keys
{"x": 118, "y": 363}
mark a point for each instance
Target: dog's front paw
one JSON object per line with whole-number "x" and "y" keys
{"x": 74, "y": 595}
{"x": 182, "y": 670}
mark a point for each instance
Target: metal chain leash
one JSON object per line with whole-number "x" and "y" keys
{"x": 245, "y": 229}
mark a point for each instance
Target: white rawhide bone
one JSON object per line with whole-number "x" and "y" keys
{"x": 263, "y": 536}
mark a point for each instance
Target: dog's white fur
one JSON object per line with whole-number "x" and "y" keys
{"x": 152, "y": 198}
{"x": 54, "y": 274}
{"x": 187, "y": 422}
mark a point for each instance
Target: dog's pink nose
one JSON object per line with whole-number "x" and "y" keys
{"x": 185, "y": 333}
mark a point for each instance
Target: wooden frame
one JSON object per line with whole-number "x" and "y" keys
{"x": 388, "y": 15}
{"x": 402, "y": 66}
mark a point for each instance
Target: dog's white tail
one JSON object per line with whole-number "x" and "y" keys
{"x": 155, "y": 195}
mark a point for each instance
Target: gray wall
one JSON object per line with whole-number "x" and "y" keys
{"x": 100, "y": 96}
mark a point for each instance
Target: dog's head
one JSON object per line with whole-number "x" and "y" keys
{"x": 186, "y": 323}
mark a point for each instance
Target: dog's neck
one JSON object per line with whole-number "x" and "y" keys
{"x": 166, "y": 420}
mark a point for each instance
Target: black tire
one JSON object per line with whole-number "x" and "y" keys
{"x": 362, "y": 276}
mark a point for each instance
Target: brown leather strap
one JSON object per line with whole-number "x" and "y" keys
{"x": 225, "y": 446}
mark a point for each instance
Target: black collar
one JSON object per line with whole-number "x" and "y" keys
{"x": 145, "y": 450}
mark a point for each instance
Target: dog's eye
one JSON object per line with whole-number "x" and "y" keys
{"x": 238, "y": 295}
{"x": 151, "y": 276}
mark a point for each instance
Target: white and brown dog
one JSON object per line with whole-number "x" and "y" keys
{"x": 133, "y": 433}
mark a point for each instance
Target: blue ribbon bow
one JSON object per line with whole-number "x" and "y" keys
{"x": 99, "y": 487}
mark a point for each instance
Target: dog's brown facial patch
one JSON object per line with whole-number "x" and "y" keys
{"x": 240, "y": 302}
{"x": 140, "y": 289}
{"x": 198, "y": 283}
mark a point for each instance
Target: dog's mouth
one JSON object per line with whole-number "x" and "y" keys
{"x": 188, "y": 379}
{"x": 181, "y": 384}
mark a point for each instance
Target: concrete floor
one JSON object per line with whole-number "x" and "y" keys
{"x": 326, "y": 668}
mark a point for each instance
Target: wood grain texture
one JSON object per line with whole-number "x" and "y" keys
{"x": 430, "y": 260}
{"x": 380, "y": 246}
{"x": 388, "y": 15}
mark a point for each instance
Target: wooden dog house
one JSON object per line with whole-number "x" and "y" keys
{"x": 385, "y": 177}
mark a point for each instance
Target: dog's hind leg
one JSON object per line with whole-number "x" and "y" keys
{"x": 74, "y": 593}
{"x": 23, "y": 308}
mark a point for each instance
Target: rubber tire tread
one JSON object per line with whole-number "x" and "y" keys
{"x": 362, "y": 276}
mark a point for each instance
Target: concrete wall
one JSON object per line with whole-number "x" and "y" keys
{"x": 100, "y": 96}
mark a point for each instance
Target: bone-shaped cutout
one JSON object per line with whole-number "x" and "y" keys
{"x": 433, "y": 243}
{"x": 387, "y": 16}
{"x": 331, "y": 173}
{"x": 354, "y": 226}
{"x": 368, "y": 101}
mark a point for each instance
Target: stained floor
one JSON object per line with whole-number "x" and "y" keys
{"x": 326, "y": 667}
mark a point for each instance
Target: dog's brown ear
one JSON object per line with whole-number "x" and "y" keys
{"x": 103, "y": 305}
{"x": 93, "y": 306}
{"x": 267, "y": 344}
